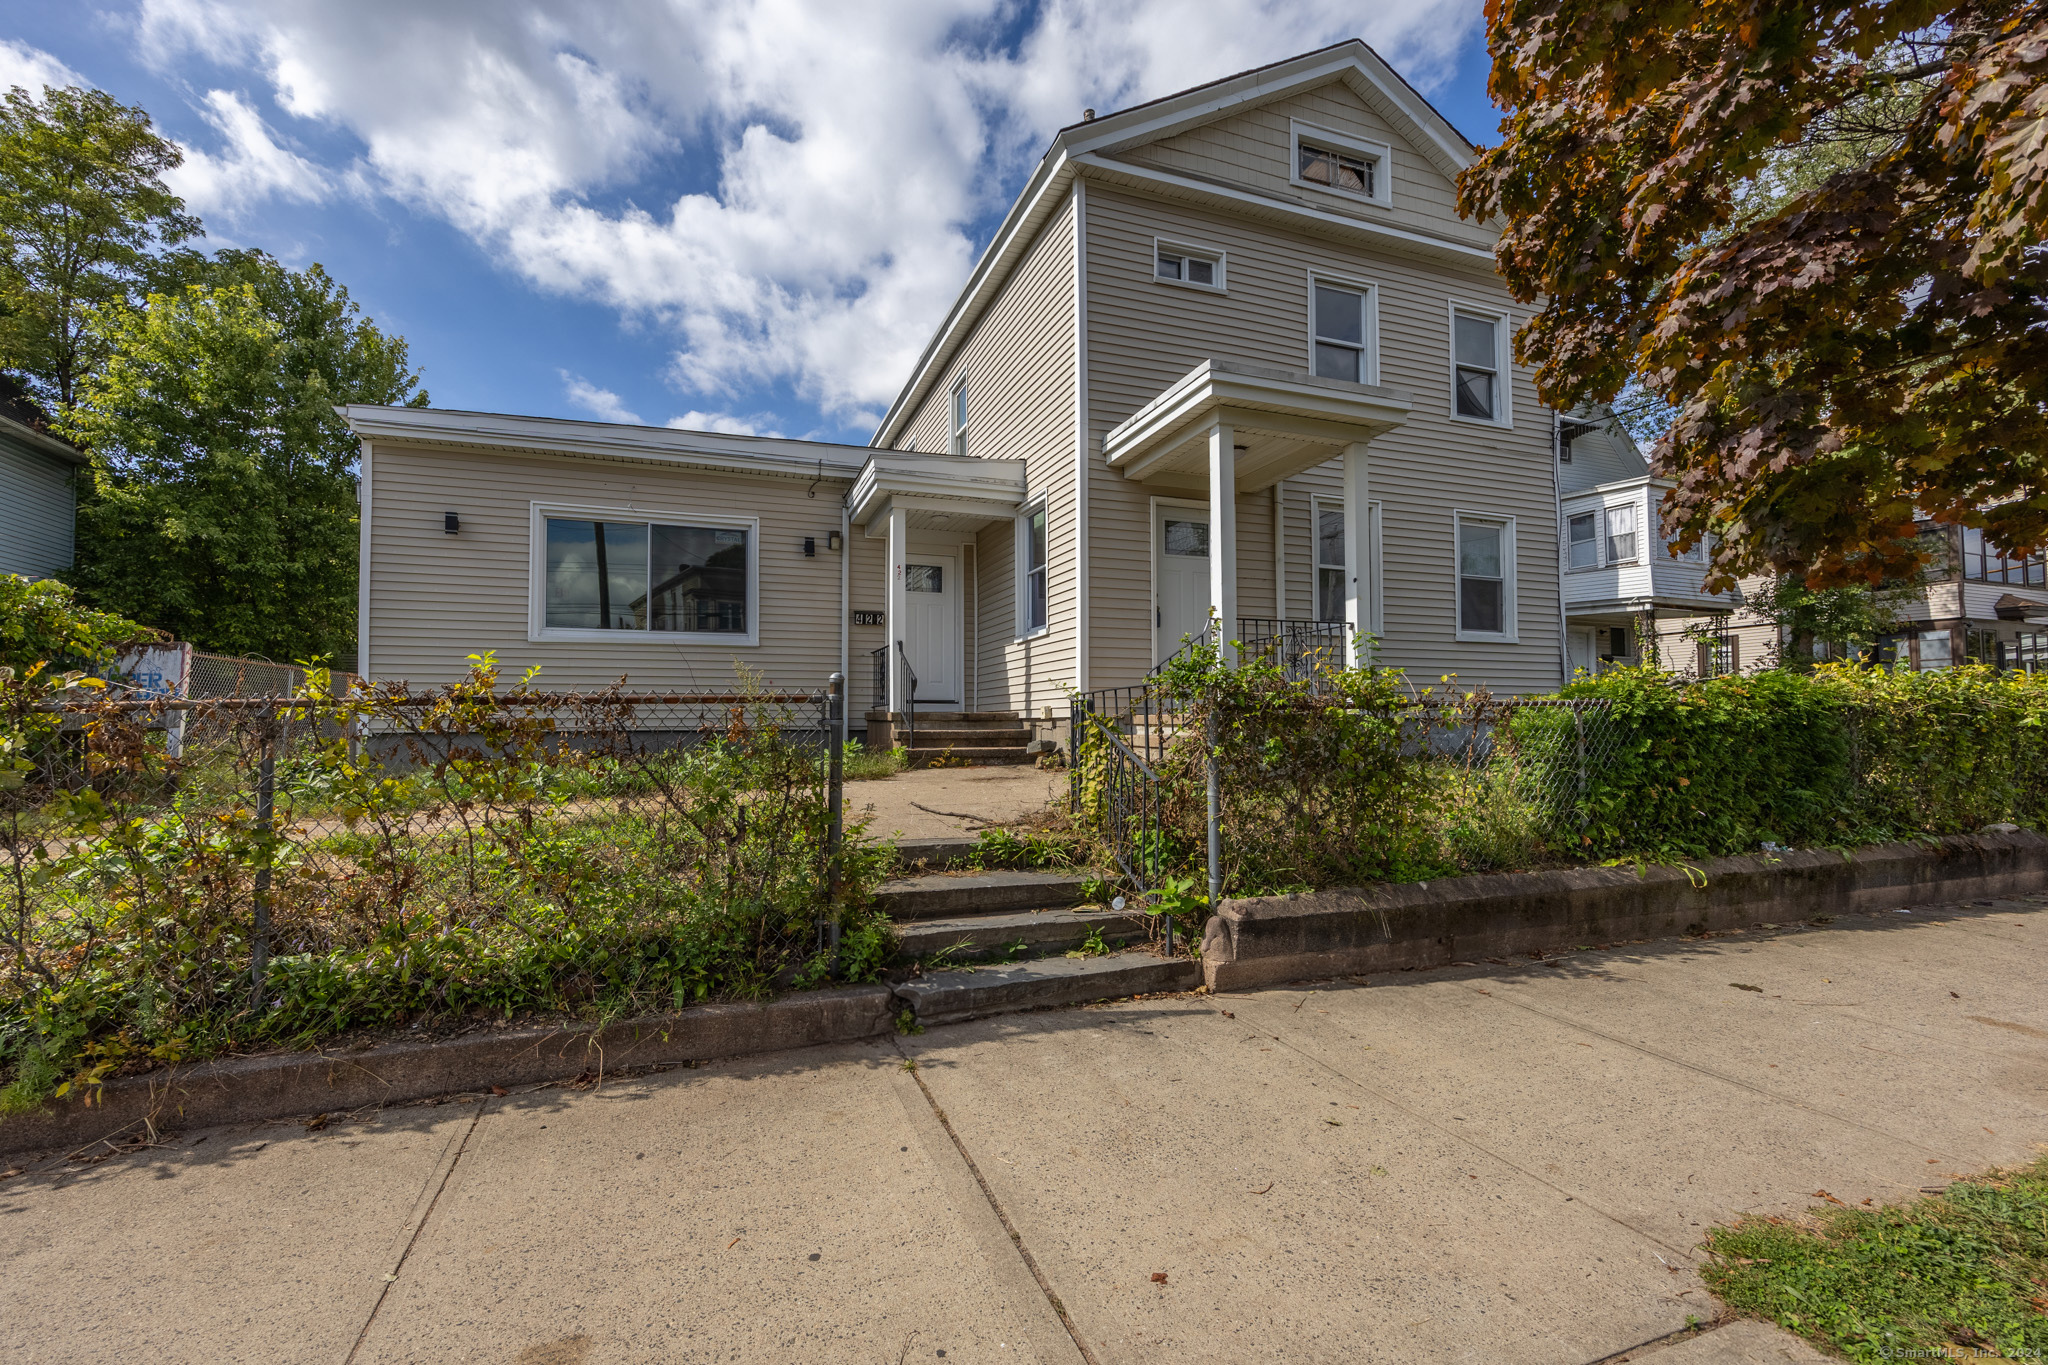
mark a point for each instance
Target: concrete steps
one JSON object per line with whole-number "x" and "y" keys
{"x": 942, "y": 895}
{"x": 951, "y": 997}
{"x": 973, "y": 737}
{"x": 925, "y": 755}
{"x": 1039, "y": 931}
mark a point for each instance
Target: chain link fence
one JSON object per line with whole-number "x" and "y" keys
{"x": 186, "y": 874}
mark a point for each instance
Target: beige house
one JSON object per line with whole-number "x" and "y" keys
{"x": 1233, "y": 350}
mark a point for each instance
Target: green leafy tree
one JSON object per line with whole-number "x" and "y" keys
{"x": 85, "y": 220}
{"x": 1815, "y": 230}
{"x": 42, "y": 622}
{"x": 222, "y": 505}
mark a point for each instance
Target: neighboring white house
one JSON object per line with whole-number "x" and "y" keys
{"x": 1233, "y": 349}
{"x": 38, "y": 493}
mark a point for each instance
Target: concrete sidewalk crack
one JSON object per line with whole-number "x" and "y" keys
{"x": 1464, "y": 1141}
{"x": 1712, "y": 1074}
{"x": 419, "y": 1227}
{"x": 1002, "y": 1215}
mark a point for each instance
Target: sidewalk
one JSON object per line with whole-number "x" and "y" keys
{"x": 941, "y": 803}
{"x": 1509, "y": 1162}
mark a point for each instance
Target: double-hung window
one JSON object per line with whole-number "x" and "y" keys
{"x": 1176, "y": 264}
{"x": 638, "y": 576}
{"x": 1621, "y": 533}
{"x": 957, "y": 442}
{"x": 1486, "y": 576}
{"x": 1581, "y": 534}
{"x": 1476, "y": 366}
{"x": 1330, "y": 594}
{"x": 1342, "y": 331}
{"x": 1032, "y": 559}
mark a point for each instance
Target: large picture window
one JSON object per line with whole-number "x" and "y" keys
{"x": 647, "y": 576}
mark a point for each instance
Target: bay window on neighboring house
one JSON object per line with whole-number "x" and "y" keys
{"x": 1621, "y": 533}
{"x": 1486, "y": 576}
{"x": 609, "y": 577}
{"x": 1582, "y": 543}
{"x": 1033, "y": 597}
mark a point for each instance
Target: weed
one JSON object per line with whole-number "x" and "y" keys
{"x": 906, "y": 1023}
{"x": 1963, "y": 1268}
{"x": 1092, "y": 946}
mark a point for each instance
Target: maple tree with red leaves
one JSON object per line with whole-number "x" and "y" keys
{"x": 1816, "y": 231}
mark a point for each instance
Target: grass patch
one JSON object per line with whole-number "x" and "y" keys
{"x": 863, "y": 764}
{"x": 1955, "y": 1273}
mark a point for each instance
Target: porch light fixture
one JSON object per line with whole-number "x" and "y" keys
{"x": 834, "y": 542}
{"x": 450, "y": 523}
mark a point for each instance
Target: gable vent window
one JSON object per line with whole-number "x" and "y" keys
{"x": 1337, "y": 170}
{"x": 1187, "y": 265}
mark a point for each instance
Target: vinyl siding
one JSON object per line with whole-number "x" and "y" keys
{"x": 434, "y": 598}
{"x": 1255, "y": 149}
{"x": 37, "y": 511}
{"x": 1019, "y": 366}
{"x": 1143, "y": 335}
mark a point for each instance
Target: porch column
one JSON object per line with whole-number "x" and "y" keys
{"x": 899, "y": 603}
{"x": 1357, "y": 550}
{"x": 1223, "y": 531}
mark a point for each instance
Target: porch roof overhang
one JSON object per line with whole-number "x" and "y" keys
{"x": 1282, "y": 421}
{"x": 937, "y": 492}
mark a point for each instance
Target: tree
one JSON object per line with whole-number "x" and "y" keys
{"x": 222, "y": 504}
{"x": 1816, "y": 231}
{"x": 85, "y": 220}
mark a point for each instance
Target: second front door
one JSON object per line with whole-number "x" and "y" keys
{"x": 931, "y": 638}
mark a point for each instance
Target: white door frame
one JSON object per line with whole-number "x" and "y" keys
{"x": 1156, "y": 505}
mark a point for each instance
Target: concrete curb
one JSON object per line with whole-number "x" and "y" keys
{"x": 250, "y": 1089}
{"x": 955, "y": 997}
{"x": 1261, "y": 941}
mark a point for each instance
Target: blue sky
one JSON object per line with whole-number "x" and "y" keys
{"x": 744, "y": 217}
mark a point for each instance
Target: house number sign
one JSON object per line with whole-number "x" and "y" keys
{"x": 868, "y": 618}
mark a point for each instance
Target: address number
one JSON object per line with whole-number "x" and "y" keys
{"x": 869, "y": 618}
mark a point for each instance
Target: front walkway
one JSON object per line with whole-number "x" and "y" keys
{"x": 943, "y": 803}
{"x": 1507, "y": 1162}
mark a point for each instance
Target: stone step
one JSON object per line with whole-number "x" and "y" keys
{"x": 941, "y": 895}
{"x": 966, "y": 717}
{"x": 939, "y": 736}
{"x": 1040, "y": 931}
{"x": 951, "y": 997}
{"x": 933, "y": 854}
{"x": 922, "y": 756}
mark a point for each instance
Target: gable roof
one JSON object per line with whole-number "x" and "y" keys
{"x": 1082, "y": 145}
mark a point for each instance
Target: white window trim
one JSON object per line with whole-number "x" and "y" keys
{"x": 1177, "y": 247}
{"x": 1511, "y": 598}
{"x": 1593, "y": 512}
{"x": 1372, "y": 319}
{"x": 1503, "y": 376}
{"x": 956, "y": 428}
{"x": 1378, "y": 152}
{"x": 1603, "y": 535}
{"x": 1025, "y": 630}
{"x": 537, "y": 628}
{"x": 1376, "y": 598}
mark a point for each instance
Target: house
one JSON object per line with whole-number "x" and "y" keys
{"x": 1978, "y": 605}
{"x": 1232, "y": 350}
{"x": 38, "y": 496}
{"x": 1622, "y": 580}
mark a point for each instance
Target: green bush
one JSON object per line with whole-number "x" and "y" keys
{"x": 41, "y": 622}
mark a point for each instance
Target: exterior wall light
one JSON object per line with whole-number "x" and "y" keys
{"x": 450, "y": 523}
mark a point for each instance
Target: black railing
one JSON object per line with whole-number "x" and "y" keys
{"x": 910, "y": 694}
{"x": 1118, "y": 737}
{"x": 1302, "y": 649}
{"x": 880, "y": 658}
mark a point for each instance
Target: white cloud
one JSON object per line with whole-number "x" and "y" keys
{"x": 837, "y": 157}
{"x": 32, "y": 69}
{"x": 602, "y": 404}
{"x": 760, "y": 424}
{"x": 252, "y": 169}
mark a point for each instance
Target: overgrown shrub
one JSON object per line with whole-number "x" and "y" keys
{"x": 42, "y": 622}
{"x": 433, "y": 858}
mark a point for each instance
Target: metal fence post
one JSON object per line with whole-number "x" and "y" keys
{"x": 266, "y": 799}
{"x": 835, "y": 794}
{"x": 1579, "y": 727}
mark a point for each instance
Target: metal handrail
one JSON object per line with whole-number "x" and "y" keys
{"x": 910, "y": 711}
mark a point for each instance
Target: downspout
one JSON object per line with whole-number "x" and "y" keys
{"x": 1564, "y": 647}
{"x": 363, "y": 567}
{"x": 845, "y": 587}
{"x": 1081, "y": 678}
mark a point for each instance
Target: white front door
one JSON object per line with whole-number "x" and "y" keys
{"x": 931, "y": 635}
{"x": 1583, "y": 652}
{"x": 1180, "y": 537}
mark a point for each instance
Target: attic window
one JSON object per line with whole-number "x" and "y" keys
{"x": 1322, "y": 166}
{"x": 1337, "y": 163}
{"x": 1173, "y": 263}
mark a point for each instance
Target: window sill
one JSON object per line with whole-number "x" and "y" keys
{"x": 1499, "y": 424}
{"x": 1029, "y": 636}
{"x": 1192, "y": 284}
{"x": 692, "y": 638}
{"x": 1346, "y": 195}
{"x": 1475, "y": 637}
